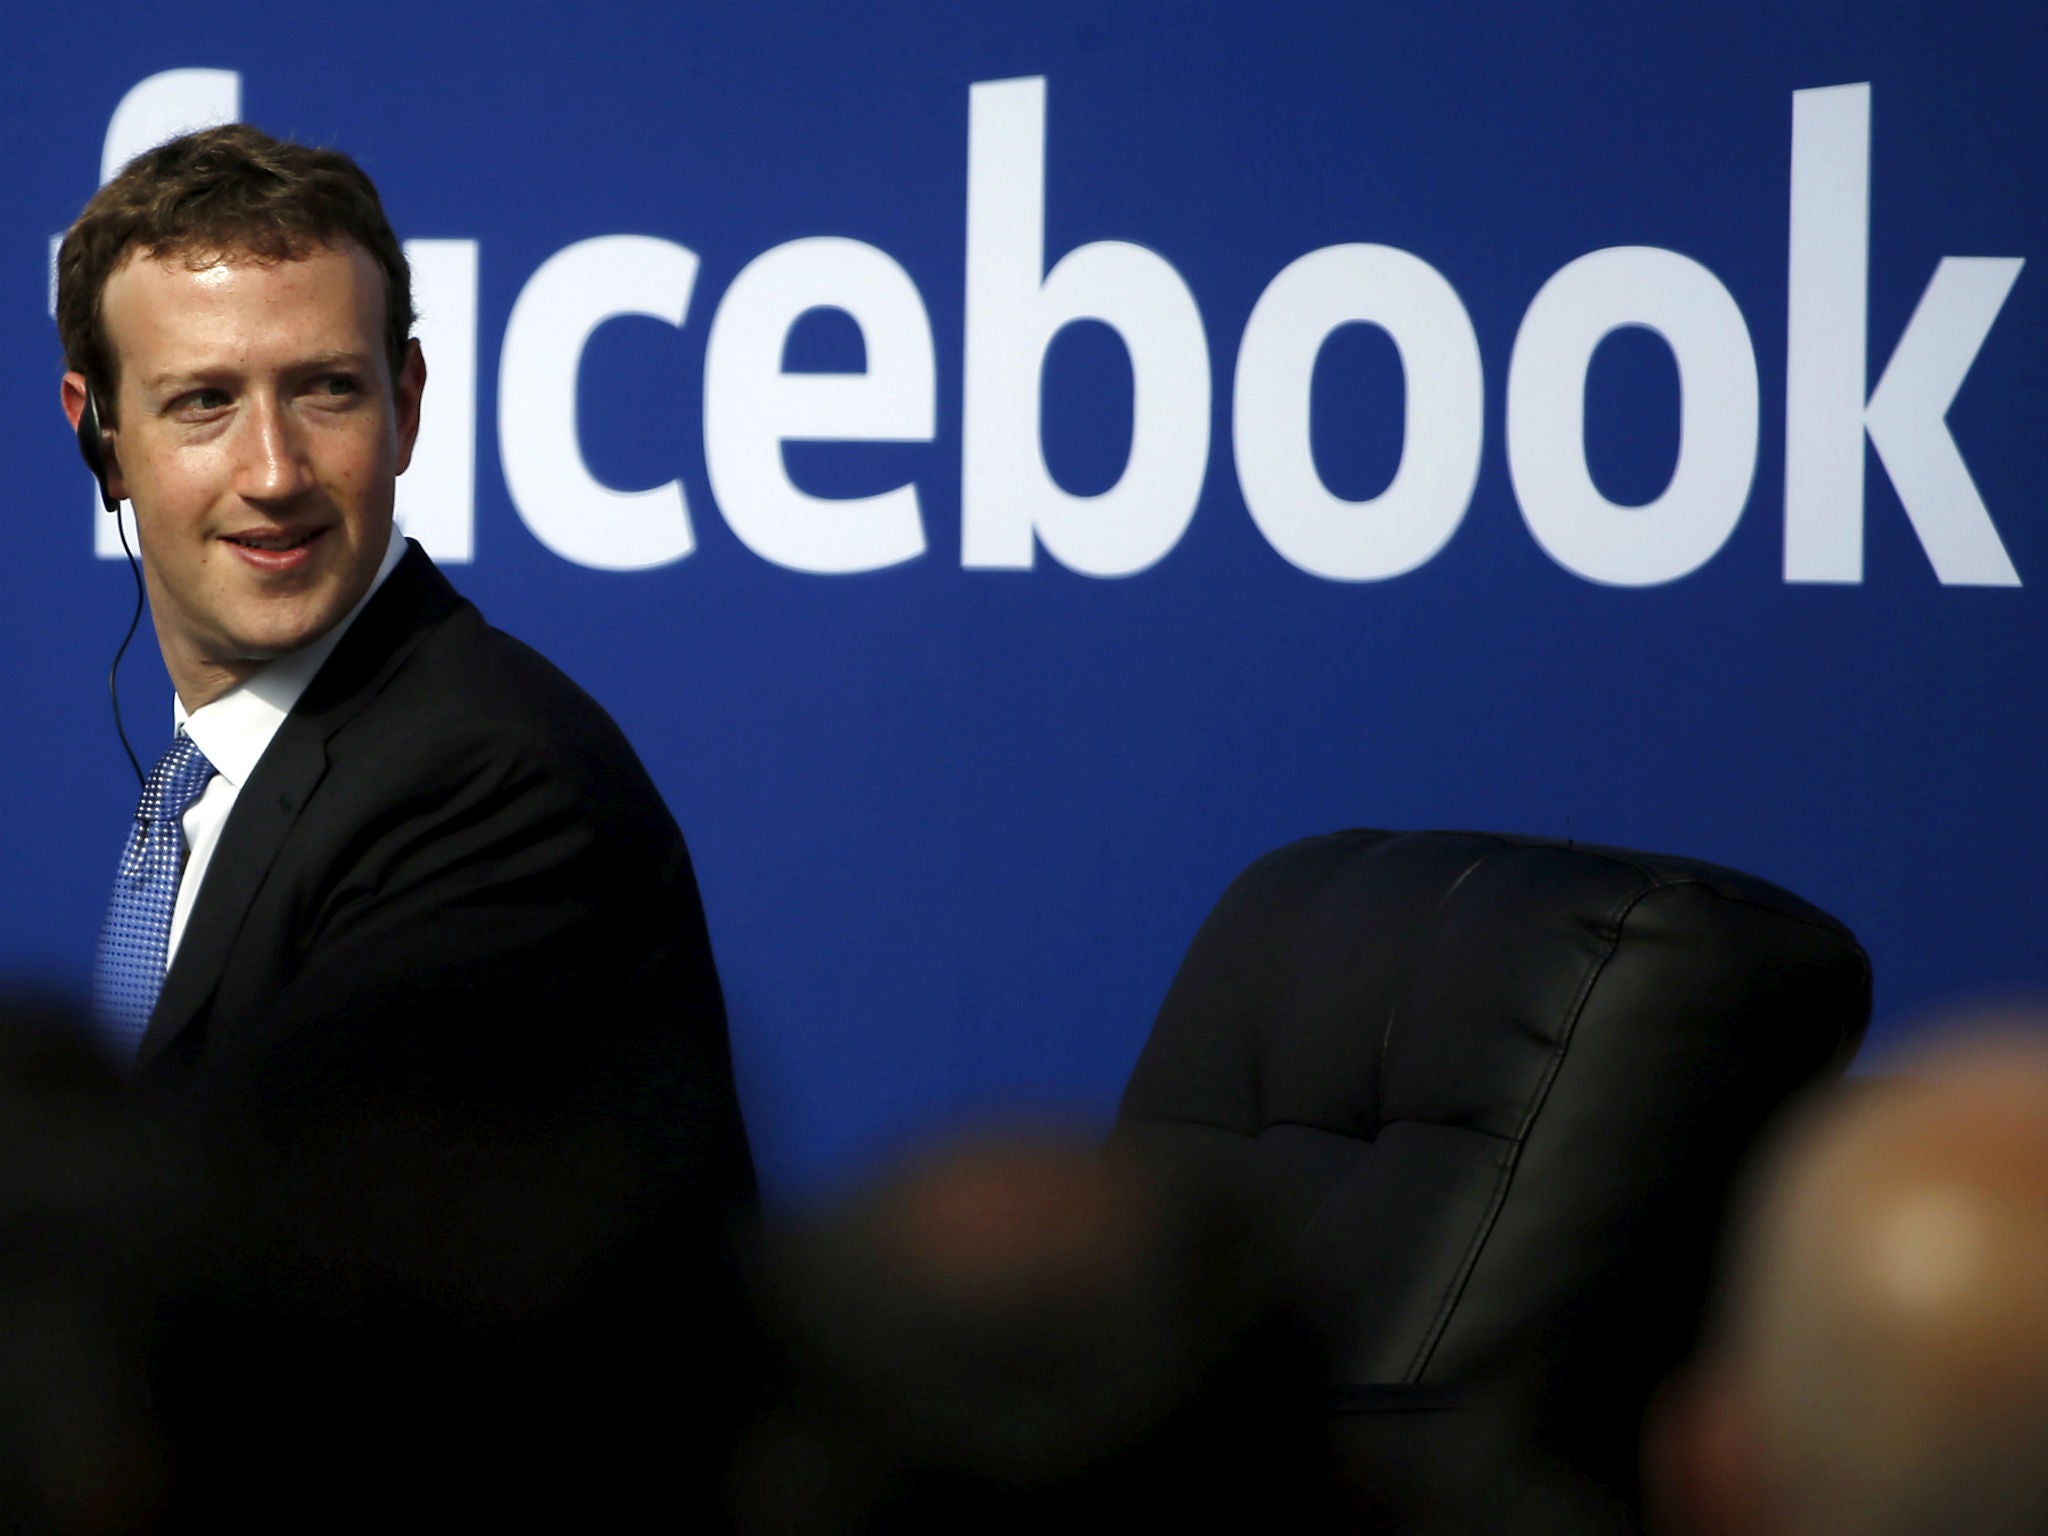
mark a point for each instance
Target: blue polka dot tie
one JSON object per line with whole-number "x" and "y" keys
{"x": 137, "y": 934}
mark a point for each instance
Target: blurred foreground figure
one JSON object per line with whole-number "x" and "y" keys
{"x": 402, "y": 1316}
{"x": 1022, "y": 1336}
{"x": 95, "y": 1203}
{"x": 1882, "y": 1367}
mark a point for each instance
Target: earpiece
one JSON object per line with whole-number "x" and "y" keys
{"x": 92, "y": 447}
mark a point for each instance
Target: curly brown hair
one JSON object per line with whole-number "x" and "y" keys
{"x": 229, "y": 191}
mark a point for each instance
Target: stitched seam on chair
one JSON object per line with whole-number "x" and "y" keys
{"x": 1291, "y": 1125}
{"x": 1262, "y": 1020}
{"x": 1207, "y": 1125}
{"x": 1822, "y": 921}
{"x": 1462, "y": 1130}
{"x": 1662, "y": 877}
{"x": 1395, "y": 1007}
{"x": 1268, "y": 1012}
{"x": 1320, "y": 1215}
{"x": 1469, "y": 1260}
{"x": 1817, "y": 920}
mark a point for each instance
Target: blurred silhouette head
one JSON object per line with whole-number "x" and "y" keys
{"x": 1882, "y": 1364}
{"x": 1021, "y": 1332}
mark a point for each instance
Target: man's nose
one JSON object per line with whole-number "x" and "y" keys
{"x": 272, "y": 464}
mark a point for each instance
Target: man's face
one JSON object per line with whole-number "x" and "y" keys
{"x": 259, "y": 436}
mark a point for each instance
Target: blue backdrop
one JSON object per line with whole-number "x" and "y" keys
{"x": 966, "y": 740}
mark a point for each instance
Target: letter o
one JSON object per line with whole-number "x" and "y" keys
{"x": 1698, "y": 319}
{"x": 1443, "y": 426}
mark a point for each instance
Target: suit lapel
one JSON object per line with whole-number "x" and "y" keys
{"x": 412, "y": 601}
{"x": 268, "y": 804}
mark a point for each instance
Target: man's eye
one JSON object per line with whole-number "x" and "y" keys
{"x": 339, "y": 385}
{"x": 200, "y": 401}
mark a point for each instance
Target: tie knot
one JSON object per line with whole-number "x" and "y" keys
{"x": 176, "y": 780}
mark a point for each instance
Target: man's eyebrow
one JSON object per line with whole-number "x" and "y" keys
{"x": 341, "y": 358}
{"x": 176, "y": 378}
{"x": 173, "y": 378}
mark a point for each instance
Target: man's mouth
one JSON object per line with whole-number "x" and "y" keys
{"x": 274, "y": 543}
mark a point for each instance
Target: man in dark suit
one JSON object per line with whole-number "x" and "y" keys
{"x": 431, "y": 958}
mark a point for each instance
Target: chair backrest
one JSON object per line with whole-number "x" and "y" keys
{"x": 1495, "y": 1091}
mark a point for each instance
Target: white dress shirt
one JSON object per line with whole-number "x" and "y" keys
{"x": 235, "y": 729}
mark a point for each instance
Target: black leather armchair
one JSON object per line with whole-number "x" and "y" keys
{"x": 1493, "y": 1092}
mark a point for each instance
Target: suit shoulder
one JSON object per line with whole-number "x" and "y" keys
{"x": 493, "y": 672}
{"x": 470, "y": 698}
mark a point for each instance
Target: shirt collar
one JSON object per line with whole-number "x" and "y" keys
{"x": 235, "y": 729}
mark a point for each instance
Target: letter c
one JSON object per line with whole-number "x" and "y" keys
{"x": 568, "y": 509}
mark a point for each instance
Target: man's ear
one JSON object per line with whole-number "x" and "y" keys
{"x": 95, "y": 438}
{"x": 72, "y": 393}
{"x": 406, "y": 390}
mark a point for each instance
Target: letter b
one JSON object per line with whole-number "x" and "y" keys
{"x": 1008, "y": 495}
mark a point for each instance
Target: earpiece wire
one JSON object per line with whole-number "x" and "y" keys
{"x": 114, "y": 672}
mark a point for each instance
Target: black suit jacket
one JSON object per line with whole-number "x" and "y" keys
{"x": 446, "y": 1018}
{"x": 450, "y": 884}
